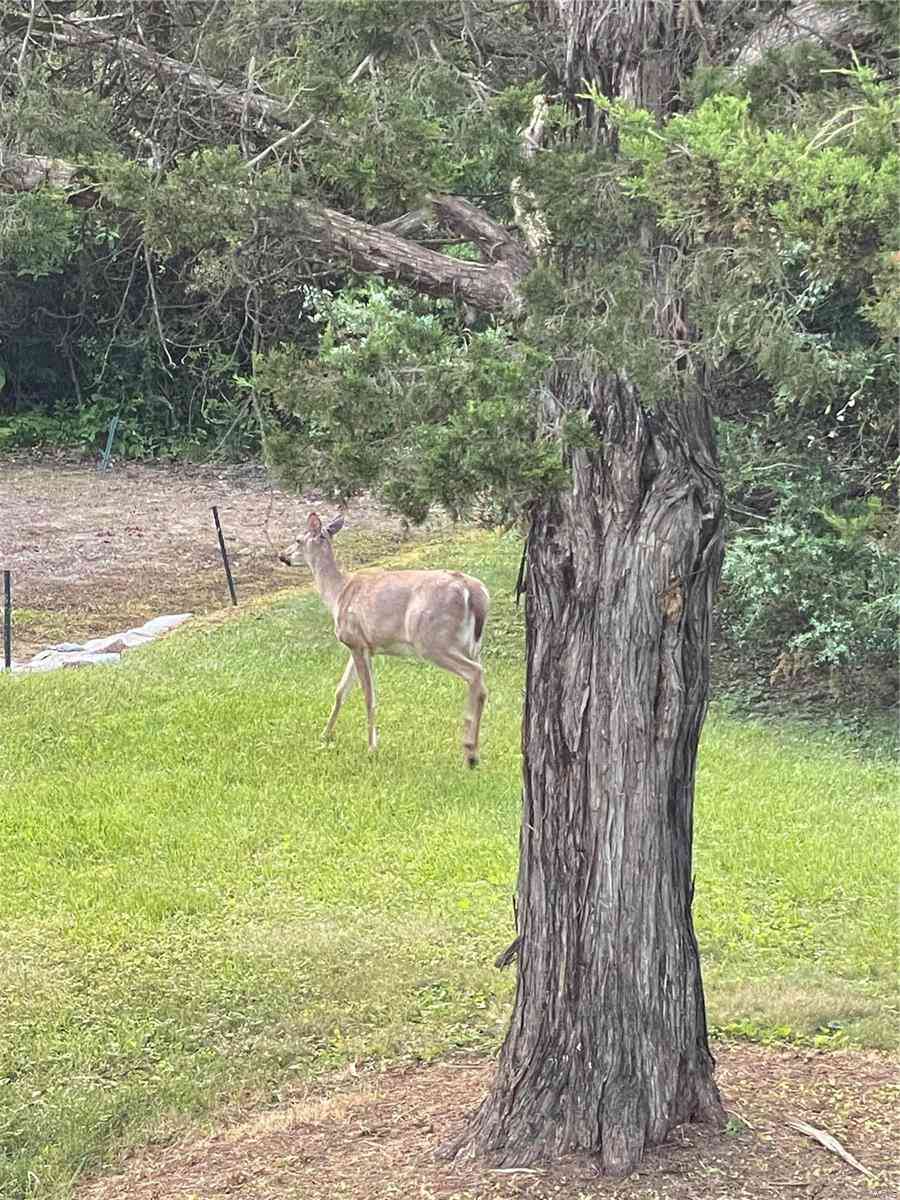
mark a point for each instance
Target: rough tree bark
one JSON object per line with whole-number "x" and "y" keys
{"x": 607, "y": 1048}
{"x": 836, "y": 26}
{"x": 28, "y": 172}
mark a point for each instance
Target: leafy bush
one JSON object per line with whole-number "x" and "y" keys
{"x": 38, "y": 233}
{"x": 817, "y": 584}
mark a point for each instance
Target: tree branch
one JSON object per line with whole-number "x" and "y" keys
{"x": 374, "y": 250}
{"x": 492, "y": 239}
{"x": 282, "y": 141}
{"x": 20, "y": 64}
{"x": 491, "y": 286}
{"x": 73, "y": 32}
{"x": 529, "y": 220}
{"x": 411, "y": 224}
{"x": 28, "y": 172}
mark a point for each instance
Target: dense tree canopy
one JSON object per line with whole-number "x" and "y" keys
{"x": 775, "y": 182}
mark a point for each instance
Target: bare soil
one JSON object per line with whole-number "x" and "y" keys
{"x": 95, "y": 552}
{"x": 377, "y": 1136}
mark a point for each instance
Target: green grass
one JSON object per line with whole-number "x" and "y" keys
{"x": 200, "y": 905}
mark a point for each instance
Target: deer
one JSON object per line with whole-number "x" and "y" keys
{"x": 436, "y": 616}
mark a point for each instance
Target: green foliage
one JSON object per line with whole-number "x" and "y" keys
{"x": 399, "y": 403}
{"x": 188, "y": 267}
{"x": 160, "y": 412}
{"x": 145, "y": 428}
{"x": 38, "y": 233}
{"x": 52, "y": 119}
{"x": 206, "y": 199}
{"x": 819, "y": 584}
{"x": 783, "y": 228}
{"x": 717, "y": 173}
{"x": 388, "y": 153}
{"x": 883, "y": 307}
{"x": 591, "y": 292}
{"x": 148, "y": 346}
{"x": 392, "y": 129}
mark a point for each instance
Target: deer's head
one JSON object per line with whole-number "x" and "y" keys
{"x": 312, "y": 542}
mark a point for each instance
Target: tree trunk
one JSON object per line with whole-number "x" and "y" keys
{"x": 607, "y": 1049}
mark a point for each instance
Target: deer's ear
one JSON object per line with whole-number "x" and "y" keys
{"x": 332, "y": 528}
{"x": 313, "y": 524}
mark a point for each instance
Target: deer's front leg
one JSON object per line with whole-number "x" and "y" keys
{"x": 343, "y": 690}
{"x": 362, "y": 660}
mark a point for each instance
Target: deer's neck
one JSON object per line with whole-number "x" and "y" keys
{"x": 329, "y": 580}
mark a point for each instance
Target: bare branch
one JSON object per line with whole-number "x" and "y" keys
{"x": 282, "y": 141}
{"x": 28, "y": 172}
{"x": 77, "y": 33}
{"x": 367, "y": 64}
{"x": 494, "y": 241}
{"x": 151, "y": 286}
{"x": 374, "y": 250}
{"x": 419, "y": 220}
{"x": 830, "y": 1143}
{"x": 529, "y": 220}
{"x": 20, "y": 64}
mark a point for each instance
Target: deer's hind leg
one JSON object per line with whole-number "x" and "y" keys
{"x": 472, "y": 672}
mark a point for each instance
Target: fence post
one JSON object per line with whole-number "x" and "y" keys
{"x": 215, "y": 513}
{"x": 111, "y": 433}
{"x": 7, "y": 620}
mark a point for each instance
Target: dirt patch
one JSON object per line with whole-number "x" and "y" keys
{"x": 94, "y": 552}
{"x": 376, "y": 1137}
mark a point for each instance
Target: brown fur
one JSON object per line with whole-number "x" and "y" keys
{"x": 438, "y": 616}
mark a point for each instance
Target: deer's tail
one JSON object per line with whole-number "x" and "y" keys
{"x": 479, "y": 603}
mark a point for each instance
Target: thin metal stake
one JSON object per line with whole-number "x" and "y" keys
{"x": 104, "y": 461}
{"x": 7, "y": 620}
{"x": 215, "y": 513}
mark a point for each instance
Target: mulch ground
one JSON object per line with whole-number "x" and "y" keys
{"x": 376, "y": 1136}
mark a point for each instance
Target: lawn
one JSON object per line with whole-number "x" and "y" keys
{"x": 199, "y": 904}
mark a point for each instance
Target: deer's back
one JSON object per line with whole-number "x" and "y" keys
{"x": 409, "y": 612}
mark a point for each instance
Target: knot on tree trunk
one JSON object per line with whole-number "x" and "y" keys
{"x": 673, "y": 601}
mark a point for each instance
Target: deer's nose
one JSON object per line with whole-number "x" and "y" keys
{"x": 284, "y": 558}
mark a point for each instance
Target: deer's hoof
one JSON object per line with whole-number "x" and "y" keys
{"x": 471, "y": 759}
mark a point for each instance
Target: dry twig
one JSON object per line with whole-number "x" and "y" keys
{"x": 830, "y": 1143}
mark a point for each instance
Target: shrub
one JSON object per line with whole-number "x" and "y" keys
{"x": 817, "y": 585}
